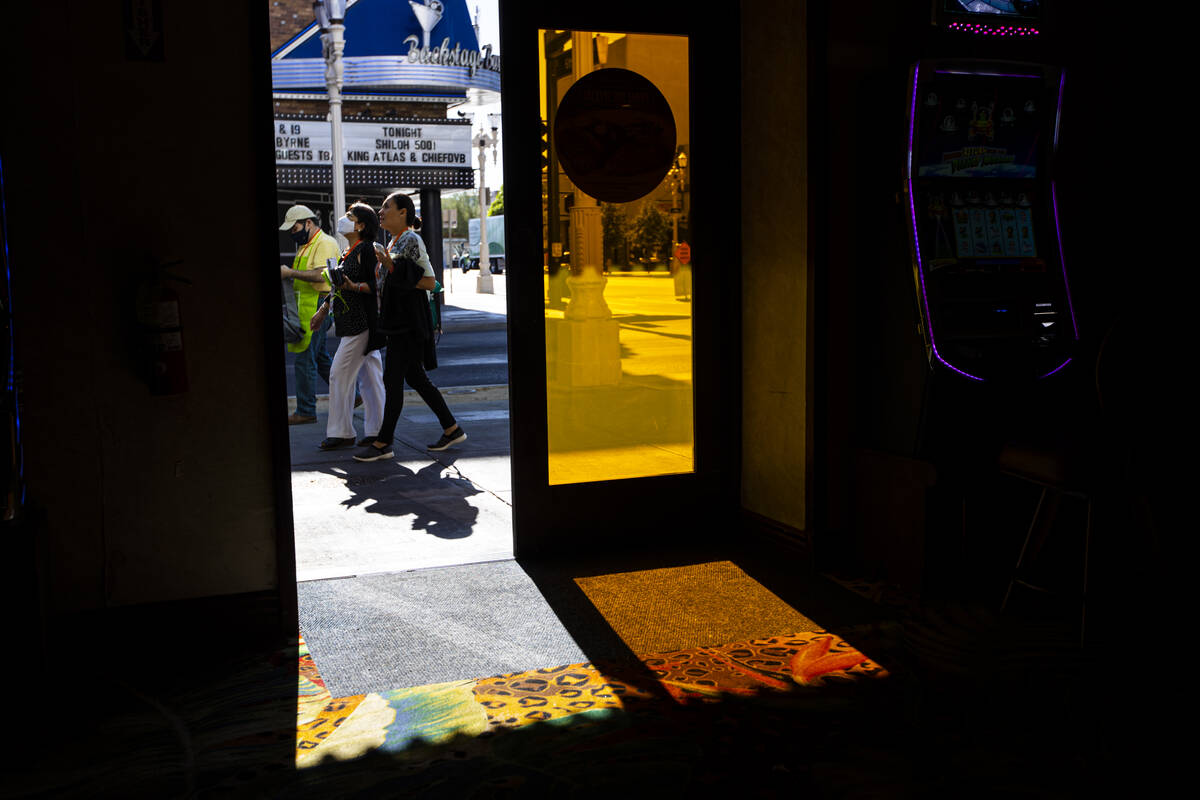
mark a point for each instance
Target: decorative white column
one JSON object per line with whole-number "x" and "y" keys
{"x": 587, "y": 250}
{"x": 588, "y": 339}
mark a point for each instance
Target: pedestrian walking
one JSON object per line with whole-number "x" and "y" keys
{"x": 405, "y": 279}
{"x": 313, "y": 248}
{"x": 355, "y": 311}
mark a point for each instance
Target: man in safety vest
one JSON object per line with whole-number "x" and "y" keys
{"x": 313, "y": 248}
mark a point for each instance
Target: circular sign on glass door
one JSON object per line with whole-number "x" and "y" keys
{"x": 615, "y": 135}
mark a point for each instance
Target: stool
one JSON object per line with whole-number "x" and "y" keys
{"x": 1059, "y": 475}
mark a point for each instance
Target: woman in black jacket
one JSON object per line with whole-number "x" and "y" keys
{"x": 355, "y": 310}
{"x": 405, "y": 278}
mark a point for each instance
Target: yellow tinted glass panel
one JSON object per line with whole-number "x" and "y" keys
{"x": 617, "y": 288}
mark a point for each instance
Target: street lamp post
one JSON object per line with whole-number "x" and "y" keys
{"x": 329, "y": 15}
{"x": 677, "y": 186}
{"x": 681, "y": 271}
{"x": 483, "y": 284}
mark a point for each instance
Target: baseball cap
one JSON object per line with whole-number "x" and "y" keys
{"x": 296, "y": 214}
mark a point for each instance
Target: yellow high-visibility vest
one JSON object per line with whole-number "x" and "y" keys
{"x": 321, "y": 247}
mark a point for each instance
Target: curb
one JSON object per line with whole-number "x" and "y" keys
{"x": 473, "y": 320}
{"x": 449, "y": 326}
{"x": 468, "y": 394}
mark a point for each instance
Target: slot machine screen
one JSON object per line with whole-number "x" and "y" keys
{"x": 973, "y": 128}
{"x": 980, "y": 144}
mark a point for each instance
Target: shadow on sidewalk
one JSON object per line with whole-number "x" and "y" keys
{"x": 436, "y": 502}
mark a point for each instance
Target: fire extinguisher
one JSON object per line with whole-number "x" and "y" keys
{"x": 162, "y": 325}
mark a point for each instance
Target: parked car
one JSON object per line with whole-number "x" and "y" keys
{"x": 468, "y": 262}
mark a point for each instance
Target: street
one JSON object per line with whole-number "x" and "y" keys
{"x": 465, "y": 358}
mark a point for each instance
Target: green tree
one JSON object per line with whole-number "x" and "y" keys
{"x": 613, "y": 225}
{"x": 497, "y": 206}
{"x": 651, "y": 236}
{"x": 467, "y": 204}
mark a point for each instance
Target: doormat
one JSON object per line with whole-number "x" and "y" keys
{"x": 655, "y": 610}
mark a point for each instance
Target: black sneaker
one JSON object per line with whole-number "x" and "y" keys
{"x": 373, "y": 453}
{"x": 333, "y": 443}
{"x": 366, "y": 440}
{"x": 459, "y": 435}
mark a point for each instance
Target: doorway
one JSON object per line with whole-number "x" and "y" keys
{"x": 421, "y": 508}
{"x": 670, "y": 477}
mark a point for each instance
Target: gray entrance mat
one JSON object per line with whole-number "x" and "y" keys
{"x": 380, "y": 632}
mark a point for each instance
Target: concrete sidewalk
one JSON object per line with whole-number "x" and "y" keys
{"x": 419, "y": 509}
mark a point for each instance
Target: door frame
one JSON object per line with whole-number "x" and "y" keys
{"x": 628, "y": 512}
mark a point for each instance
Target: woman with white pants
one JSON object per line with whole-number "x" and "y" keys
{"x": 354, "y": 312}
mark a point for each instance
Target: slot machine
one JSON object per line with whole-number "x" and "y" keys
{"x": 988, "y": 266}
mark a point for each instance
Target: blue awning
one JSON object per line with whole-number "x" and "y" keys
{"x": 388, "y": 48}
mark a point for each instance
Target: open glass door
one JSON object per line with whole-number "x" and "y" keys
{"x": 619, "y": 389}
{"x": 619, "y": 423}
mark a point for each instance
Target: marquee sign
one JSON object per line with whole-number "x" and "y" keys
{"x": 383, "y": 152}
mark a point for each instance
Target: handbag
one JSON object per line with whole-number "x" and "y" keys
{"x": 435, "y": 329}
{"x": 433, "y": 307}
{"x": 376, "y": 338}
{"x": 402, "y": 306}
{"x": 293, "y": 329}
{"x": 406, "y": 310}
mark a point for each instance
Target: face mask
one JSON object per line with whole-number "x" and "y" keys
{"x": 301, "y": 236}
{"x": 345, "y": 225}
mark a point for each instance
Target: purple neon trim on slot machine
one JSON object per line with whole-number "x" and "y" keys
{"x": 984, "y": 74}
{"x": 1062, "y": 259}
{"x": 912, "y": 124}
{"x": 1062, "y": 79}
{"x": 10, "y": 377}
{"x": 1057, "y": 369}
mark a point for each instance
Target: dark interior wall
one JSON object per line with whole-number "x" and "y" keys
{"x": 870, "y": 378}
{"x": 775, "y": 264}
{"x": 115, "y": 164}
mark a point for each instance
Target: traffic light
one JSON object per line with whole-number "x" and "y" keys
{"x": 545, "y": 146}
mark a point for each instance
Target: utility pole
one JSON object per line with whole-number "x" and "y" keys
{"x": 330, "y": 14}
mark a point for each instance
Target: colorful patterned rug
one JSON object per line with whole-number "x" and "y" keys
{"x": 803, "y": 714}
{"x": 615, "y": 708}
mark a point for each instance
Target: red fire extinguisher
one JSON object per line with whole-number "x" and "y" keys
{"x": 163, "y": 327}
